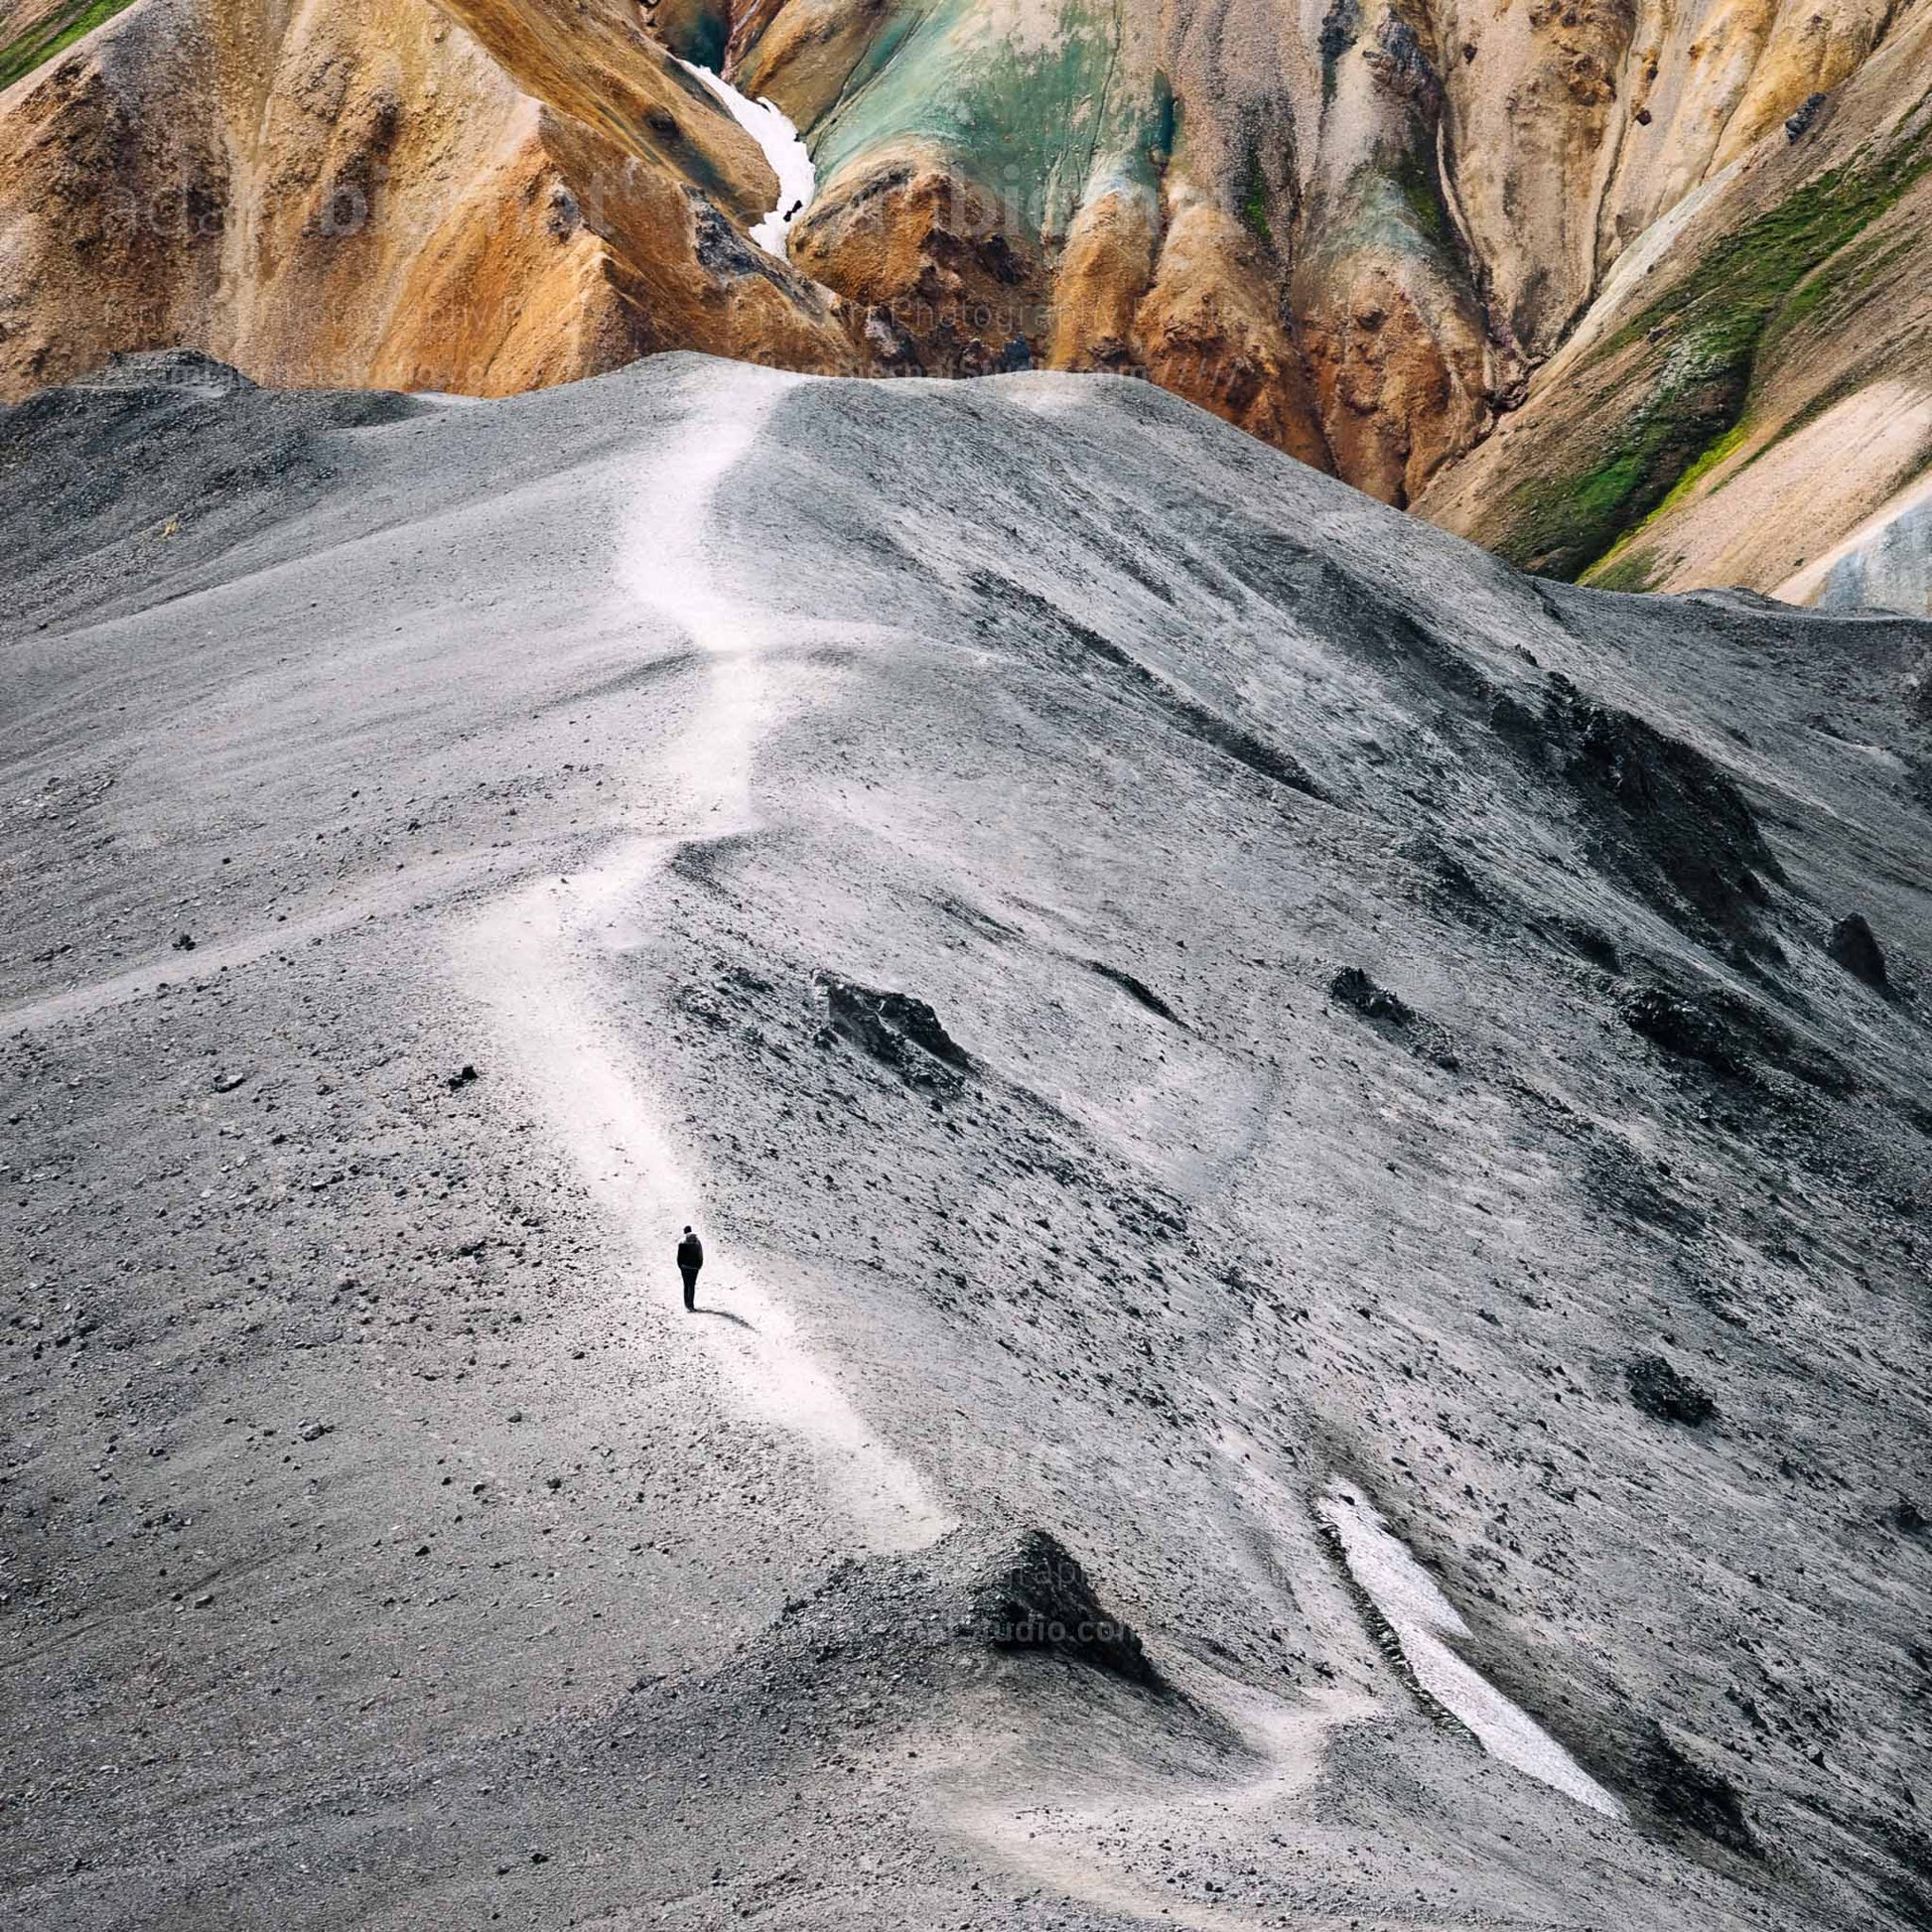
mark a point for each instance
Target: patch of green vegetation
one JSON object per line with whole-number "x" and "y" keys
{"x": 1421, "y": 190}
{"x": 1254, "y": 203}
{"x": 1559, "y": 526}
{"x": 1164, "y": 124}
{"x": 1627, "y": 568}
{"x": 1860, "y": 271}
{"x": 1746, "y": 277}
{"x": 1710, "y": 330}
{"x": 1702, "y": 468}
{"x": 1026, "y": 115}
{"x": 1805, "y": 299}
{"x": 53, "y": 35}
{"x": 1254, "y": 211}
{"x": 1836, "y": 290}
{"x": 1608, "y": 483}
{"x": 1631, "y": 567}
{"x": 1392, "y": 204}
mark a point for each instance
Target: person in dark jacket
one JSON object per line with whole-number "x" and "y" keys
{"x": 690, "y": 1257}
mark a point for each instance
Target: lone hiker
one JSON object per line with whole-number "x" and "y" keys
{"x": 690, "y": 1257}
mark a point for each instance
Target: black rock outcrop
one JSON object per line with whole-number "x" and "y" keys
{"x": 1035, "y": 1596}
{"x": 1855, "y": 946}
{"x": 1659, "y": 1390}
{"x": 898, "y": 1030}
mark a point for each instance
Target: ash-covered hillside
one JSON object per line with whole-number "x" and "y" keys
{"x": 1312, "y": 1155}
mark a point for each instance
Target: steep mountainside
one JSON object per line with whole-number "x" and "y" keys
{"x": 1361, "y": 234}
{"x": 1212, "y": 1031}
{"x": 1755, "y": 384}
{"x": 1357, "y": 239}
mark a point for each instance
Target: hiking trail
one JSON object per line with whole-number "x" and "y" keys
{"x": 531, "y": 962}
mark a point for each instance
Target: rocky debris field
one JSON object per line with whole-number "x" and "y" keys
{"x": 1165, "y": 986}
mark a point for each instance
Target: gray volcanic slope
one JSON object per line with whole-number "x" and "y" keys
{"x": 1382, "y": 1049}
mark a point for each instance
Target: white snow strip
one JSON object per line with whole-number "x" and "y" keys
{"x": 1422, "y": 1617}
{"x": 783, "y": 148}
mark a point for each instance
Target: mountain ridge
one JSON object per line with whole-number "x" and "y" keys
{"x": 433, "y": 864}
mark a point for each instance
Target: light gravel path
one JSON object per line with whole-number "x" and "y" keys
{"x": 1075, "y": 1852}
{"x": 531, "y": 962}
{"x": 411, "y": 890}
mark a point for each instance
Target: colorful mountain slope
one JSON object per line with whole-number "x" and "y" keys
{"x": 1617, "y": 286}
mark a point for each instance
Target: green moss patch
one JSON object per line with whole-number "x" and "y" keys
{"x": 1857, "y": 272}
{"x": 1628, "y": 568}
{"x": 52, "y": 36}
{"x": 1421, "y": 189}
{"x": 1630, "y": 565}
{"x": 1391, "y": 204}
{"x": 1254, "y": 211}
{"x": 1859, "y": 376}
{"x": 1702, "y": 468}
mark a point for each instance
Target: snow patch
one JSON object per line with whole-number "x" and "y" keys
{"x": 1422, "y": 1617}
{"x": 783, "y": 149}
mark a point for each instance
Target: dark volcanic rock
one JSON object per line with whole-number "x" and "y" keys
{"x": 1025, "y": 615}
{"x": 1734, "y": 1036}
{"x": 166, "y": 368}
{"x": 1797, "y": 125}
{"x": 1681, "y": 1026}
{"x": 1036, "y": 1596}
{"x": 1592, "y": 944}
{"x": 1855, "y": 948}
{"x": 1677, "y": 829}
{"x": 1393, "y": 1018}
{"x": 1695, "y": 1796}
{"x": 896, "y": 1028}
{"x": 1139, "y": 990}
{"x": 1353, "y": 988}
{"x": 1659, "y": 1390}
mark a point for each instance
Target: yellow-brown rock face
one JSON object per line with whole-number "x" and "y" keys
{"x": 1362, "y": 235}
{"x": 1210, "y": 328}
{"x": 375, "y": 192}
{"x": 1753, "y": 382}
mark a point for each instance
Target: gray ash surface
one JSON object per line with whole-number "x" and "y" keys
{"x": 1161, "y": 983}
